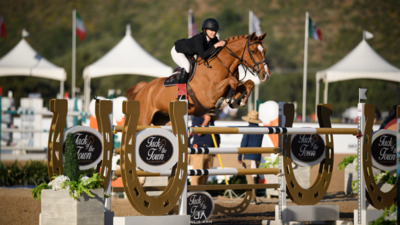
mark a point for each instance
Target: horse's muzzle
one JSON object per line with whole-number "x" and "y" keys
{"x": 267, "y": 73}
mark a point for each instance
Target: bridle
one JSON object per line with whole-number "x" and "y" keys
{"x": 254, "y": 69}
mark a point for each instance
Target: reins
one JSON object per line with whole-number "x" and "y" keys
{"x": 243, "y": 62}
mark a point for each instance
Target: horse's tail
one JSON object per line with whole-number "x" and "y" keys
{"x": 132, "y": 92}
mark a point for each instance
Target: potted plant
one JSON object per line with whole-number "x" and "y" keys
{"x": 71, "y": 198}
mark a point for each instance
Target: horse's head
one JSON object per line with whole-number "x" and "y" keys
{"x": 251, "y": 55}
{"x": 254, "y": 56}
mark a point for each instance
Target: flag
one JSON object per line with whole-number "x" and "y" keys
{"x": 191, "y": 24}
{"x": 80, "y": 27}
{"x": 2, "y": 28}
{"x": 362, "y": 93}
{"x": 314, "y": 31}
{"x": 255, "y": 24}
{"x": 367, "y": 35}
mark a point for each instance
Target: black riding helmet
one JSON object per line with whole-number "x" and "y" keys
{"x": 211, "y": 24}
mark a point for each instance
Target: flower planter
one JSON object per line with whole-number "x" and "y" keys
{"x": 59, "y": 208}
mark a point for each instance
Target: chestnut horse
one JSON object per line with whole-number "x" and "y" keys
{"x": 210, "y": 82}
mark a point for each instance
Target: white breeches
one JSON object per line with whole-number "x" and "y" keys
{"x": 180, "y": 59}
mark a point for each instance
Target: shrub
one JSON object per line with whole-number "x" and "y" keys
{"x": 35, "y": 172}
{"x": 32, "y": 173}
{"x": 71, "y": 166}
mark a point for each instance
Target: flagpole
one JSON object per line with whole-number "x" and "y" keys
{"x": 251, "y": 30}
{"x": 190, "y": 22}
{"x": 73, "y": 53}
{"x": 303, "y": 116}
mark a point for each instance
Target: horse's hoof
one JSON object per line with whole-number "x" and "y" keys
{"x": 234, "y": 105}
{"x": 219, "y": 103}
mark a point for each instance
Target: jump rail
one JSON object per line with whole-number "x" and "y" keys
{"x": 212, "y": 172}
{"x": 271, "y": 130}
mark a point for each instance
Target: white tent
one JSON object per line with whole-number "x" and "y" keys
{"x": 23, "y": 60}
{"x": 127, "y": 57}
{"x": 361, "y": 63}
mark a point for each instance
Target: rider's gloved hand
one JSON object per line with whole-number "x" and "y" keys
{"x": 219, "y": 44}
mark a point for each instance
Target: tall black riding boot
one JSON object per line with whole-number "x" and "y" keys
{"x": 183, "y": 77}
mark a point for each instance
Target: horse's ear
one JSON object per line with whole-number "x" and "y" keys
{"x": 262, "y": 36}
{"x": 251, "y": 36}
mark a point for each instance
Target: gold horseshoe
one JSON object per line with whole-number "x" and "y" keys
{"x": 55, "y": 163}
{"x": 103, "y": 110}
{"x": 377, "y": 198}
{"x": 138, "y": 198}
{"x": 242, "y": 206}
{"x": 316, "y": 191}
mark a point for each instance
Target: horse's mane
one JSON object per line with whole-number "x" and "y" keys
{"x": 229, "y": 39}
{"x": 234, "y": 38}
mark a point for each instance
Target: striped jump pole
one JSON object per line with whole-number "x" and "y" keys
{"x": 242, "y": 150}
{"x": 272, "y": 130}
{"x": 249, "y": 150}
{"x": 212, "y": 172}
{"x": 257, "y": 130}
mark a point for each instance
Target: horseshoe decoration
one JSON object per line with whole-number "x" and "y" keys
{"x": 376, "y": 197}
{"x": 55, "y": 164}
{"x": 316, "y": 191}
{"x": 103, "y": 110}
{"x": 138, "y": 198}
{"x": 236, "y": 209}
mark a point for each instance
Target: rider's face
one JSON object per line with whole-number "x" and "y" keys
{"x": 211, "y": 33}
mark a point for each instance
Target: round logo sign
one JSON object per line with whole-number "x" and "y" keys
{"x": 88, "y": 145}
{"x": 156, "y": 150}
{"x": 307, "y": 149}
{"x": 200, "y": 206}
{"x": 383, "y": 149}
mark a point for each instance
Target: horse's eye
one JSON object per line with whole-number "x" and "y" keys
{"x": 254, "y": 51}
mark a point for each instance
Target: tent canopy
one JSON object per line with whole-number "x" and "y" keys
{"x": 361, "y": 63}
{"x": 23, "y": 60}
{"x": 127, "y": 57}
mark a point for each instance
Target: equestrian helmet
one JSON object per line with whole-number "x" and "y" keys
{"x": 211, "y": 24}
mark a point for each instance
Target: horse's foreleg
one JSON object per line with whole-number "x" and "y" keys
{"x": 145, "y": 117}
{"x": 243, "y": 92}
{"x": 146, "y": 113}
{"x": 222, "y": 87}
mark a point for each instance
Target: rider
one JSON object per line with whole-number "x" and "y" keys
{"x": 202, "y": 44}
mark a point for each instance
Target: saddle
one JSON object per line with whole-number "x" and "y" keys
{"x": 175, "y": 76}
